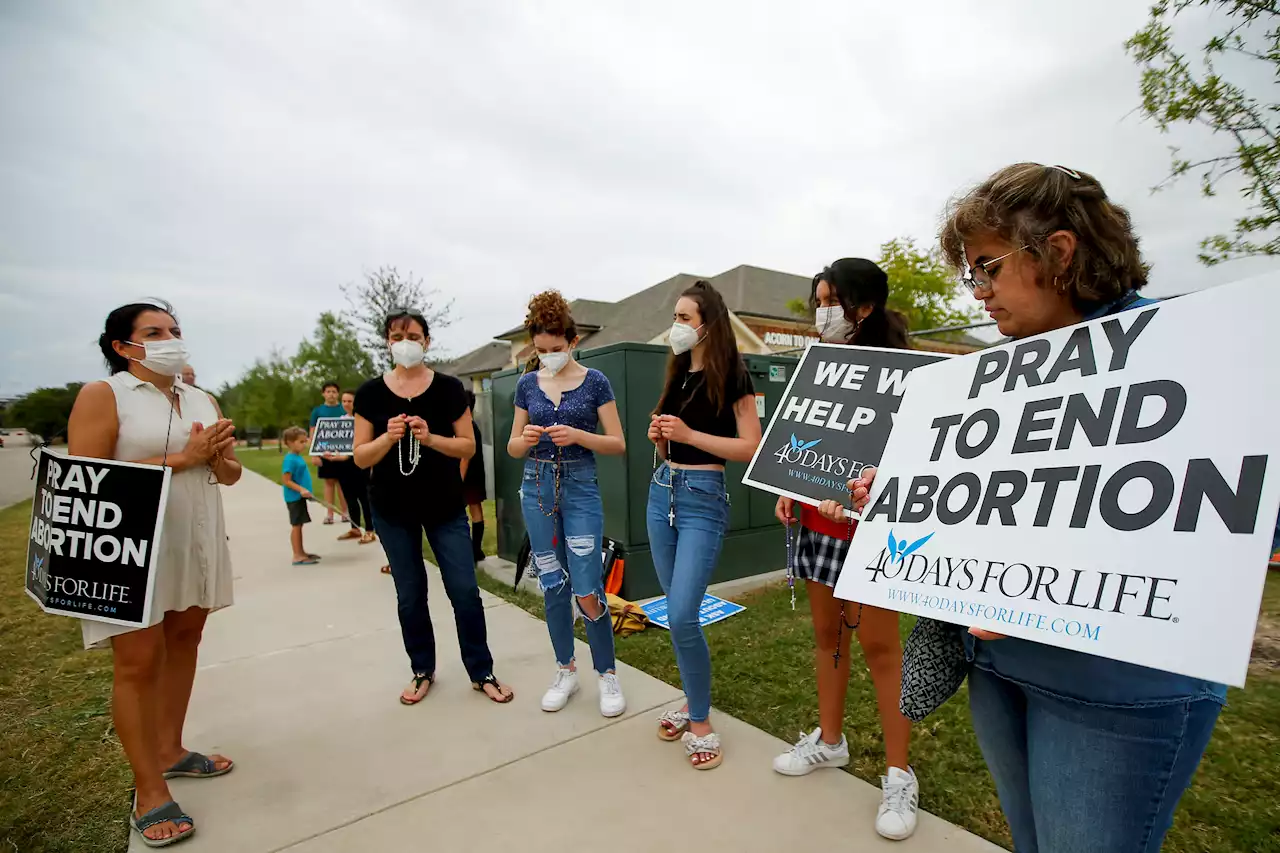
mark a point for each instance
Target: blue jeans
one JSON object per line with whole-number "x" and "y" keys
{"x": 569, "y": 537}
{"x": 1075, "y": 777}
{"x": 451, "y": 542}
{"x": 687, "y": 516}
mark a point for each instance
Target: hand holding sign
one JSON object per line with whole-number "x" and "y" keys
{"x": 860, "y": 488}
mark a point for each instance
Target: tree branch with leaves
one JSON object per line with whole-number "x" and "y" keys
{"x": 384, "y": 292}
{"x": 1179, "y": 91}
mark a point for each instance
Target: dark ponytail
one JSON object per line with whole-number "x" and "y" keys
{"x": 119, "y": 327}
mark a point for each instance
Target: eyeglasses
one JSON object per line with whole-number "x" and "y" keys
{"x": 982, "y": 275}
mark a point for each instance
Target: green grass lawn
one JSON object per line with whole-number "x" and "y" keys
{"x": 64, "y": 784}
{"x": 763, "y": 661}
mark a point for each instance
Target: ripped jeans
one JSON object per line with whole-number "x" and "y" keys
{"x": 566, "y": 549}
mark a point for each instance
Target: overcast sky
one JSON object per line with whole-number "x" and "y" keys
{"x": 243, "y": 160}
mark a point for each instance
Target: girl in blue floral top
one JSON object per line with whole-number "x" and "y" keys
{"x": 557, "y": 411}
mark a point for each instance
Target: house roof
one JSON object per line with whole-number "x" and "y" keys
{"x": 492, "y": 356}
{"x": 643, "y": 316}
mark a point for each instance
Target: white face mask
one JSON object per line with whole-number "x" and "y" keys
{"x": 407, "y": 353}
{"x": 833, "y": 326}
{"x": 682, "y": 338}
{"x": 167, "y": 358}
{"x": 553, "y": 362}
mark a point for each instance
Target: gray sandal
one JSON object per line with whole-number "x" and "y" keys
{"x": 169, "y": 812}
{"x": 193, "y": 765}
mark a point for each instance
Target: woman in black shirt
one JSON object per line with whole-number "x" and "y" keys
{"x": 705, "y": 417}
{"x": 413, "y": 425}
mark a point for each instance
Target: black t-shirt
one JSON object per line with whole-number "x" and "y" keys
{"x": 432, "y": 493}
{"x": 689, "y": 401}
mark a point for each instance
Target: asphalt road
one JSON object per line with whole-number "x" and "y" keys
{"x": 15, "y": 474}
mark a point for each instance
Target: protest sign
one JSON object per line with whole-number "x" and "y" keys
{"x": 95, "y": 532}
{"x": 1104, "y": 487}
{"x": 711, "y": 610}
{"x": 333, "y": 436}
{"x": 833, "y": 420}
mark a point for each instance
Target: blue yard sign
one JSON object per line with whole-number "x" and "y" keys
{"x": 712, "y": 610}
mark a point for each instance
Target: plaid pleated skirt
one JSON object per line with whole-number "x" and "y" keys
{"x": 819, "y": 557}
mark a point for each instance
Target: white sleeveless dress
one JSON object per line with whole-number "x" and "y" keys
{"x": 194, "y": 564}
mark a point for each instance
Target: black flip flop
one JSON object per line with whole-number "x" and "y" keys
{"x": 489, "y": 679}
{"x": 193, "y": 765}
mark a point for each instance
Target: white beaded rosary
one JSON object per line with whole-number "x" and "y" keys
{"x": 415, "y": 453}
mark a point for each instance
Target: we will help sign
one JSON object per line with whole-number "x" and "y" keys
{"x": 1110, "y": 487}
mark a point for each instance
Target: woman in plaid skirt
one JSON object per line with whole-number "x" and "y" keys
{"x": 849, "y": 299}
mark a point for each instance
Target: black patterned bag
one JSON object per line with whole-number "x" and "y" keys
{"x": 933, "y": 668}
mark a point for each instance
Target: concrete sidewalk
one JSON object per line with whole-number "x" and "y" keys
{"x": 299, "y": 681}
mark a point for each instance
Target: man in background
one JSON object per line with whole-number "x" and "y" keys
{"x": 189, "y": 376}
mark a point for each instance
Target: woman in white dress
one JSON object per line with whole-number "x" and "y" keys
{"x": 144, "y": 413}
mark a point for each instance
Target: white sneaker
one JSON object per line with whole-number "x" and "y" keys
{"x": 557, "y": 695}
{"x": 899, "y": 799}
{"x": 811, "y": 753}
{"x": 612, "y": 702}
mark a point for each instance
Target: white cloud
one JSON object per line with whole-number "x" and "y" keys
{"x": 245, "y": 159}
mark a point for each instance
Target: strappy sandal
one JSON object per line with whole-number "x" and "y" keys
{"x": 672, "y": 725}
{"x": 419, "y": 680}
{"x": 695, "y": 745}
{"x": 368, "y": 538}
{"x": 490, "y": 681}
{"x": 169, "y": 812}
{"x": 193, "y": 765}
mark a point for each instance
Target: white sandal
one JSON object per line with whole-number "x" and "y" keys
{"x": 709, "y": 744}
{"x": 672, "y": 725}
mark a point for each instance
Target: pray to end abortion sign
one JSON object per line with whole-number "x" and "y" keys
{"x": 95, "y": 530}
{"x": 834, "y": 419}
{"x": 1107, "y": 487}
{"x": 334, "y": 436}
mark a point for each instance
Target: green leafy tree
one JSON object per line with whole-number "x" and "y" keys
{"x": 334, "y": 354}
{"x": 269, "y": 396}
{"x": 44, "y": 411}
{"x": 1242, "y": 116}
{"x": 923, "y": 287}
{"x": 384, "y": 291}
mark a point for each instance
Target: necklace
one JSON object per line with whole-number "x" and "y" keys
{"x": 415, "y": 453}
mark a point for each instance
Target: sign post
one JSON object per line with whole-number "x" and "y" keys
{"x": 1108, "y": 487}
{"x": 333, "y": 437}
{"x": 834, "y": 420}
{"x": 95, "y": 532}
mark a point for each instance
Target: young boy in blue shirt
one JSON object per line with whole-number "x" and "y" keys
{"x": 297, "y": 491}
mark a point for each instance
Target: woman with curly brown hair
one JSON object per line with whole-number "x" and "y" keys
{"x": 557, "y": 411}
{"x": 1088, "y": 754}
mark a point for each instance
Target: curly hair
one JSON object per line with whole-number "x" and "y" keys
{"x": 549, "y": 315}
{"x": 1025, "y": 203}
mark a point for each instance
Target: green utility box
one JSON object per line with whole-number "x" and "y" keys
{"x": 754, "y": 543}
